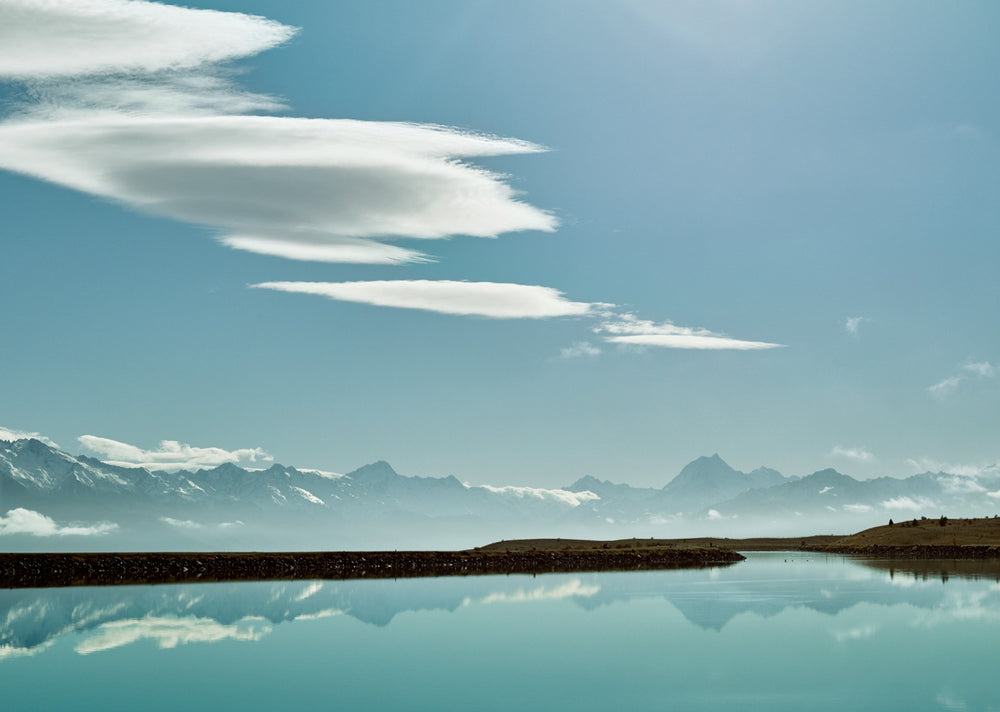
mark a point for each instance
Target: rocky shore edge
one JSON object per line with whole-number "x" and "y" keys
{"x": 111, "y": 569}
{"x": 917, "y": 551}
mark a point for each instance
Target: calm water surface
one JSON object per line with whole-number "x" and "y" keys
{"x": 777, "y": 632}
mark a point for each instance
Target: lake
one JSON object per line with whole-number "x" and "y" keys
{"x": 780, "y": 631}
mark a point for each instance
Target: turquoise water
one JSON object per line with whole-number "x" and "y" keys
{"x": 777, "y": 632}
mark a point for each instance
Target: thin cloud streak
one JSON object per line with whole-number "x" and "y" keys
{"x": 486, "y": 299}
{"x": 517, "y": 301}
{"x": 628, "y": 330}
{"x": 946, "y": 387}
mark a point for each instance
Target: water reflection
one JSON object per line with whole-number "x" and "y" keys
{"x": 105, "y": 618}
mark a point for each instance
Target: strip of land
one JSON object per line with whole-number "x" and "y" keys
{"x": 917, "y": 539}
{"x": 102, "y": 569}
{"x": 941, "y": 538}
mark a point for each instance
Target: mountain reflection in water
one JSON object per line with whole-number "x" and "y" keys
{"x": 103, "y": 618}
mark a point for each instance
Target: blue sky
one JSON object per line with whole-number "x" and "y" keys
{"x": 555, "y": 238}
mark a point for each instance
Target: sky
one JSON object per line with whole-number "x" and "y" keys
{"x": 518, "y": 242}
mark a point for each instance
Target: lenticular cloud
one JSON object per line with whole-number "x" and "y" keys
{"x": 131, "y": 105}
{"x": 487, "y": 299}
{"x": 43, "y": 39}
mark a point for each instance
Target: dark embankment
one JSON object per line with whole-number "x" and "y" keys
{"x": 756, "y": 544}
{"x": 45, "y": 570}
{"x": 941, "y": 538}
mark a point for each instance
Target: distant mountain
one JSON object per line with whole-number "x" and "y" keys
{"x": 708, "y": 480}
{"x": 283, "y": 507}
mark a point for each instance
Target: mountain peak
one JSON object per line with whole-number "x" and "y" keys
{"x": 379, "y": 472}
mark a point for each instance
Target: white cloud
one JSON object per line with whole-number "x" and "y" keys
{"x": 488, "y": 299}
{"x": 944, "y": 388}
{"x": 579, "y": 349}
{"x": 10, "y": 434}
{"x": 26, "y": 521}
{"x": 309, "y": 189}
{"x": 983, "y": 369}
{"x": 947, "y": 386}
{"x": 852, "y": 453}
{"x": 181, "y": 523}
{"x": 170, "y": 456}
{"x": 853, "y": 324}
{"x": 70, "y": 38}
{"x": 908, "y": 504}
{"x": 573, "y": 499}
{"x": 168, "y": 632}
{"x": 629, "y": 330}
{"x": 714, "y": 515}
{"x": 128, "y": 102}
{"x": 857, "y": 508}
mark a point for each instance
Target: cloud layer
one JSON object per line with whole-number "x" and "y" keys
{"x": 130, "y": 103}
{"x": 170, "y": 455}
{"x": 27, "y": 521}
{"x": 133, "y": 102}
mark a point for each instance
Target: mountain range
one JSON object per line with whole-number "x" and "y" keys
{"x": 68, "y": 500}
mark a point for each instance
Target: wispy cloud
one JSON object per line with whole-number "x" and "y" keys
{"x": 627, "y": 329}
{"x": 908, "y": 504}
{"x": 852, "y": 453}
{"x": 27, "y": 521}
{"x": 170, "y": 455}
{"x": 518, "y": 301}
{"x": 983, "y": 369}
{"x": 946, "y": 387}
{"x": 486, "y": 299}
{"x": 853, "y": 324}
{"x": 857, "y": 508}
{"x": 11, "y": 434}
{"x": 579, "y": 349}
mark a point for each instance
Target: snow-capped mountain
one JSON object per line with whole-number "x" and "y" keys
{"x": 310, "y": 509}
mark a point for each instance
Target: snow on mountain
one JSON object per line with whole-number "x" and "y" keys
{"x": 40, "y": 478}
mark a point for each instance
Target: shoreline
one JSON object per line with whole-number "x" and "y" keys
{"x": 119, "y": 569}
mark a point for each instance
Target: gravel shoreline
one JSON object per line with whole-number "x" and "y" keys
{"x": 104, "y": 569}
